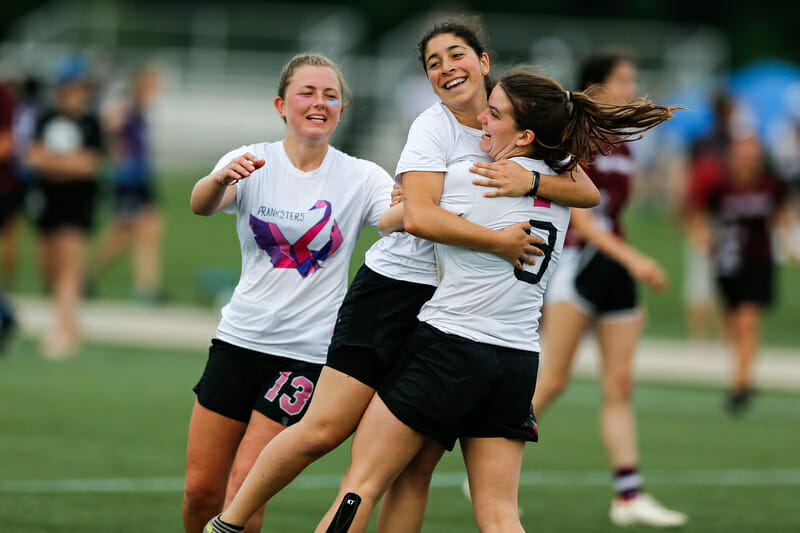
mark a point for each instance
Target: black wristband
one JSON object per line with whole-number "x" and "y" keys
{"x": 535, "y": 184}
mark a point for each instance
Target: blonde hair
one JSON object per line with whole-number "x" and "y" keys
{"x": 314, "y": 60}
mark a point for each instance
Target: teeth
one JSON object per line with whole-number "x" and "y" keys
{"x": 316, "y": 117}
{"x": 455, "y": 82}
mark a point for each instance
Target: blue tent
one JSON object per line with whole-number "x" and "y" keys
{"x": 768, "y": 88}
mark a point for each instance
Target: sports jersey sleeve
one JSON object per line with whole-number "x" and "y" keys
{"x": 426, "y": 145}
{"x": 378, "y": 197}
{"x": 241, "y": 186}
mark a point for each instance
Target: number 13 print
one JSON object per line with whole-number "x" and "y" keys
{"x": 295, "y": 403}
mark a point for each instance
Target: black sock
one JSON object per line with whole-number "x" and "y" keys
{"x": 220, "y": 526}
{"x": 627, "y": 483}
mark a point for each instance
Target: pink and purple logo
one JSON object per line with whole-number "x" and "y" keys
{"x": 284, "y": 255}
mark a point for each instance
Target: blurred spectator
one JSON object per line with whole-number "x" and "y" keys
{"x": 65, "y": 157}
{"x": 702, "y": 173}
{"x": 8, "y": 200}
{"x": 136, "y": 221}
{"x": 744, "y": 206}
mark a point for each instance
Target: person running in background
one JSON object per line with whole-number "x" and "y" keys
{"x": 300, "y": 206}
{"x": 595, "y": 285}
{"x": 468, "y": 371}
{"x": 136, "y": 222}
{"x": 398, "y": 276}
{"x": 9, "y": 206}
{"x": 743, "y": 209}
{"x": 65, "y": 157}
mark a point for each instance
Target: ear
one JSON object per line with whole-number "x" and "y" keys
{"x": 485, "y": 66}
{"x": 279, "y": 105}
{"x": 524, "y": 138}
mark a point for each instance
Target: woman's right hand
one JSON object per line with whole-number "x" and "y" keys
{"x": 649, "y": 272}
{"x": 516, "y": 245}
{"x": 238, "y": 168}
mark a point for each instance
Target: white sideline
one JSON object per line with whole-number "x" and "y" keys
{"x": 598, "y": 478}
{"x": 192, "y": 328}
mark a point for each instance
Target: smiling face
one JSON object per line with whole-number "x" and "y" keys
{"x": 501, "y": 137}
{"x": 312, "y": 104}
{"x": 620, "y": 84}
{"x": 456, "y": 71}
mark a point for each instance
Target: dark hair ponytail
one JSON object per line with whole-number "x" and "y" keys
{"x": 469, "y": 30}
{"x": 569, "y": 126}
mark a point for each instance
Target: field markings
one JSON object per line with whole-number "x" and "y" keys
{"x": 708, "y": 478}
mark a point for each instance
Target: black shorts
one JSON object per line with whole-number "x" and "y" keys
{"x": 130, "y": 200}
{"x": 447, "y": 387}
{"x": 237, "y": 381}
{"x": 606, "y": 286}
{"x": 754, "y": 285}
{"x": 374, "y": 322}
{"x": 68, "y": 204}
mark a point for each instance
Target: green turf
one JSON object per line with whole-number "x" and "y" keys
{"x": 122, "y": 413}
{"x": 199, "y": 251}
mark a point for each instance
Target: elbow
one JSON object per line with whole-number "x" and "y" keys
{"x": 199, "y": 209}
{"x": 592, "y": 199}
{"x": 413, "y": 226}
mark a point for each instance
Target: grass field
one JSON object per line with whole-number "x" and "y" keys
{"x": 97, "y": 444}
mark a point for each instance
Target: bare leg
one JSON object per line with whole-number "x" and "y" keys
{"x": 64, "y": 340}
{"x": 260, "y": 431}
{"x": 10, "y": 249}
{"x": 403, "y": 507}
{"x": 147, "y": 248}
{"x": 745, "y": 320}
{"x": 618, "y": 339}
{"x": 115, "y": 243}
{"x": 382, "y": 447}
{"x": 211, "y": 447}
{"x": 336, "y": 408}
{"x": 493, "y": 466}
{"x": 564, "y": 326}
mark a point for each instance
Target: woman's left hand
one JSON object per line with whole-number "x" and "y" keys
{"x": 397, "y": 195}
{"x": 507, "y": 177}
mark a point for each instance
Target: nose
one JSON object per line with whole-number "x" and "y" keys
{"x": 319, "y": 100}
{"x": 447, "y": 66}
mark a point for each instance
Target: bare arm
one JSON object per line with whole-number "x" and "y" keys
{"x": 218, "y": 190}
{"x": 788, "y": 231}
{"x": 640, "y": 266}
{"x": 571, "y": 189}
{"x": 424, "y": 218}
{"x": 81, "y": 164}
{"x": 392, "y": 220}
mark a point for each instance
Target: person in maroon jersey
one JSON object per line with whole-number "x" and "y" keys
{"x": 743, "y": 208}
{"x": 595, "y": 285}
{"x": 9, "y": 204}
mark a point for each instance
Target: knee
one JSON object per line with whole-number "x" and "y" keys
{"x": 619, "y": 388}
{"x": 497, "y": 518}
{"x": 321, "y": 439}
{"x": 416, "y": 477}
{"x": 200, "y": 500}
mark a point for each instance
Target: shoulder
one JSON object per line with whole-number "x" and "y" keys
{"x": 436, "y": 117}
{"x": 361, "y": 167}
{"x": 534, "y": 164}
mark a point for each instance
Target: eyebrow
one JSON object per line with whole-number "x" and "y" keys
{"x": 493, "y": 108}
{"x": 313, "y": 87}
{"x": 449, "y": 48}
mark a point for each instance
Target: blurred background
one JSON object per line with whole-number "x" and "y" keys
{"x": 213, "y": 70}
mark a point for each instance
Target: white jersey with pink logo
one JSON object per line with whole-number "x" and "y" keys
{"x": 297, "y": 230}
{"x": 480, "y": 295}
{"x": 435, "y": 141}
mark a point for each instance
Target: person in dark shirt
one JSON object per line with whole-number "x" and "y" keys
{"x": 595, "y": 286}
{"x": 743, "y": 208}
{"x": 137, "y": 221}
{"x": 65, "y": 158}
{"x": 8, "y": 204}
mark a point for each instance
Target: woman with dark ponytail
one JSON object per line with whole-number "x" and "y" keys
{"x": 596, "y": 282}
{"x": 469, "y": 368}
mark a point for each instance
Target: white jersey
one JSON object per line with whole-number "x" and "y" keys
{"x": 436, "y": 140}
{"x": 297, "y": 230}
{"x": 481, "y": 296}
